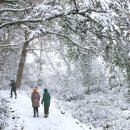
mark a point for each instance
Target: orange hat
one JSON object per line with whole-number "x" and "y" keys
{"x": 35, "y": 90}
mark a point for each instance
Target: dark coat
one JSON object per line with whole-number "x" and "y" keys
{"x": 46, "y": 99}
{"x": 35, "y": 97}
{"x": 13, "y": 85}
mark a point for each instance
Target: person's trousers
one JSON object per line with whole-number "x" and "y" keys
{"x": 46, "y": 111}
{"x": 35, "y": 110}
{"x": 12, "y": 90}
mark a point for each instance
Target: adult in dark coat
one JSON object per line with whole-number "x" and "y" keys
{"x": 13, "y": 88}
{"x": 35, "y": 98}
{"x": 46, "y": 100}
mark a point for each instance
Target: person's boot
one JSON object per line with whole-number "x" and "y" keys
{"x": 45, "y": 116}
{"x": 34, "y": 115}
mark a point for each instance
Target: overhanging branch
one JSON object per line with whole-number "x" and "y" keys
{"x": 7, "y": 1}
{"x": 20, "y": 22}
{"x": 72, "y": 42}
{"x": 8, "y": 45}
{"x": 72, "y": 12}
{"x": 14, "y": 10}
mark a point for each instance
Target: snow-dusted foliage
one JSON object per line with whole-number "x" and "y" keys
{"x": 3, "y": 113}
{"x": 103, "y": 109}
{"x": 67, "y": 88}
{"x": 106, "y": 109}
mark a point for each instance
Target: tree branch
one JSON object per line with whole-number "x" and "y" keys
{"x": 8, "y": 1}
{"x": 73, "y": 12}
{"x": 76, "y": 6}
{"x": 64, "y": 36}
{"x": 8, "y": 45}
{"x": 14, "y": 10}
{"x": 20, "y": 22}
{"x": 51, "y": 64}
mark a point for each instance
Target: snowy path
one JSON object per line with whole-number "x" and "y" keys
{"x": 22, "y": 116}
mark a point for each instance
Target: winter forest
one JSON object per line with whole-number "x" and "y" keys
{"x": 79, "y": 50}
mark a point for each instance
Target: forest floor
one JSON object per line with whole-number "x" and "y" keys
{"x": 21, "y": 115}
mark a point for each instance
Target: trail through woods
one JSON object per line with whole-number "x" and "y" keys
{"x": 21, "y": 116}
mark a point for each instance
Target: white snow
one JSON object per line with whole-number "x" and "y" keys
{"x": 42, "y": 7}
{"x": 21, "y": 117}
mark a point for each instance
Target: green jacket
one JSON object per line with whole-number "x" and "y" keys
{"x": 46, "y": 99}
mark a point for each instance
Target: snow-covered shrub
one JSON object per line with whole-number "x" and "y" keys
{"x": 102, "y": 109}
{"x": 67, "y": 88}
{"x": 3, "y": 113}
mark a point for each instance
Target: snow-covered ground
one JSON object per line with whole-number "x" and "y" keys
{"x": 21, "y": 116}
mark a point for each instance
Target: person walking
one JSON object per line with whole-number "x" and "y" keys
{"x": 46, "y": 100}
{"x": 35, "y": 98}
{"x": 13, "y": 88}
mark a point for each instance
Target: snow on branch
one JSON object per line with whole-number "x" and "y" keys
{"x": 28, "y": 21}
{"x": 72, "y": 12}
{"x": 8, "y": 1}
{"x": 68, "y": 38}
{"x": 20, "y": 22}
{"x": 8, "y": 45}
{"x": 14, "y": 10}
{"x": 75, "y": 5}
{"x": 40, "y": 32}
{"x": 35, "y": 49}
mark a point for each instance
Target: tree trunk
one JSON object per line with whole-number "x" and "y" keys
{"x": 128, "y": 76}
{"x": 86, "y": 63}
{"x": 22, "y": 61}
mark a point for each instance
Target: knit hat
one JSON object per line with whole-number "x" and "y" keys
{"x": 45, "y": 90}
